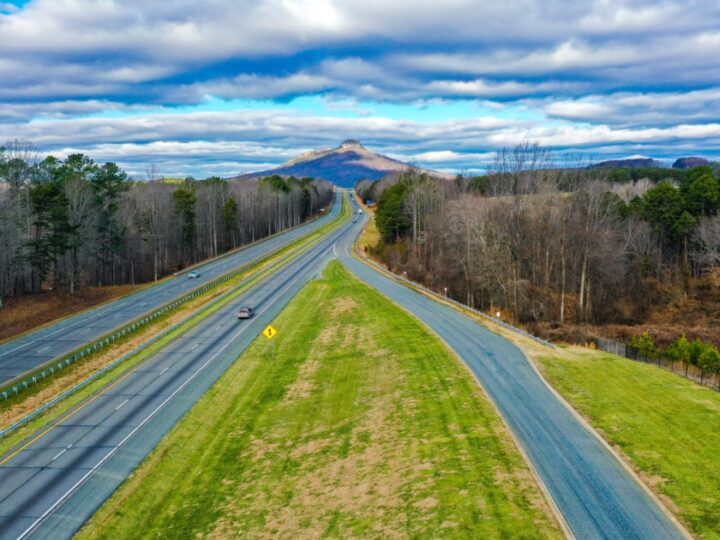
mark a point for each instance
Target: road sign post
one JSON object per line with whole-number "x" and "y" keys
{"x": 270, "y": 333}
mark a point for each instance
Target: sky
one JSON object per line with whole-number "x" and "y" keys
{"x": 223, "y": 87}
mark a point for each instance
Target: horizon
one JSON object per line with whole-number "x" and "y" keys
{"x": 226, "y": 88}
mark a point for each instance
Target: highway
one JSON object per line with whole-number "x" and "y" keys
{"x": 53, "y": 483}
{"x": 32, "y": 350}
{"x": 595, "y": 494}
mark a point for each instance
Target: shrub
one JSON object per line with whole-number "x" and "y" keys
{"x": 644, "y": 344}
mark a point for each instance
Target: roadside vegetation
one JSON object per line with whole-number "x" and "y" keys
{"x": 73, "y": 223}
{"x": 564, "y": 250}
{"x": 357, "y": 423}
{"x": 20, "y": 315}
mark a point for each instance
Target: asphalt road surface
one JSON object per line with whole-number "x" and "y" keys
{"x": 594, "y": 493}
{"x": 53, "y": 484}
{"x": 34, "y": 349}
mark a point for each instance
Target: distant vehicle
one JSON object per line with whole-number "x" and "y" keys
{"x": 359, "y": 210}
{"x": 194, "y": 274}
{"x": 245, "y": 312}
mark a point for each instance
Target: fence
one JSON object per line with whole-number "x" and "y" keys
{"x": 661, "y": 360}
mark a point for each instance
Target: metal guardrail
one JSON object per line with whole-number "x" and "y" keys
{"x": 91, "y": 378}
{"x": 460, "y": 305}
{"x": 23, "y": 382}
{"x": 118, "y": 361}
{"x": 67, "y": 393}
{"x": 67, "y": 360}
{"x": 13, "y": 388}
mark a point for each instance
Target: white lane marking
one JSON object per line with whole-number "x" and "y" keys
{"x": 157, "y": 409}
{"x": 164, "y": 370}
{"x": 123, "y": 403}
{"x": 61, "y": 452}
{"x": 194, "y": 347}
{"x": 218, "y": 328}
{"x": 45, "y": 348}
{"x": 122, "y": 302}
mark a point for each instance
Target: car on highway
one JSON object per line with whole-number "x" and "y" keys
{"x": 245, "y": 312}
{"x": 194, "y": 274}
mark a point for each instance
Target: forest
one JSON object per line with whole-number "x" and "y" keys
{"x": 69, "y": 223}
{"x": 555, "y": 245}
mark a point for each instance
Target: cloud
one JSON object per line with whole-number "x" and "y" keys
{"x": 124, "y": 76}
{"x": 245, "y": 140}
{"x": 641, "y": 108}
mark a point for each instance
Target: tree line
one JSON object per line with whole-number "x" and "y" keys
{"x": 701, "y": 354}
{"x": 69, "y": 223}
{"x": 547, "y": 243}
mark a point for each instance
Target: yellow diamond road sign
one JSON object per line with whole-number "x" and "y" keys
{"x": 270, "y": 332}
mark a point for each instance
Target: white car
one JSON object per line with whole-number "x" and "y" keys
{"x": 245, "y": 312}
{"x": 194, "y": 274}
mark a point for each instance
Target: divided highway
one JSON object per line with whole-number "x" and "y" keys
{"x": 53, "y": 483}
{"x": 592, "y": 490}
{"x": 32, "y": 350}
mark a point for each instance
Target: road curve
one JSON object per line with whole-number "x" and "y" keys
{"x": 51, "y": 485}
{"x": 592, "y": 490}
{"x": 30, "y": 351}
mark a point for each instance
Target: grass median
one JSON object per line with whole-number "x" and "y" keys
{"x": 359, "y": 424}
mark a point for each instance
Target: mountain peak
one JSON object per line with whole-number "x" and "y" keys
{"x": 351, "y": 143}
{"x": 343, "y": 165}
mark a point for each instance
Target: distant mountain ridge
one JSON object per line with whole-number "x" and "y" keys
{"x": 690, "y": 162}
{"x": 343, "y": 165}
{"x": 630, "y": 163}
{"x": 641, "y": 162}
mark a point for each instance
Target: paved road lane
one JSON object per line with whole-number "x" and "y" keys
{"x": 51, "y": 486}
{"x": 32, "y": 350}
{"x": 595, "y": 494}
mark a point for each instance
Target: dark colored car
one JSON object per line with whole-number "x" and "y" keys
{"x": 245, "y": 312}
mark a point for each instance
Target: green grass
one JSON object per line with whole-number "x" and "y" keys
{"x": 361, "y": 424}
{"x": 667, "y": 426}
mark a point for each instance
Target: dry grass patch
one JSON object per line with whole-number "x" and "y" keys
{"x": 26, "y": 313}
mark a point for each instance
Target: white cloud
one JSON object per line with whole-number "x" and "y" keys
{"x": 591, "y": 74}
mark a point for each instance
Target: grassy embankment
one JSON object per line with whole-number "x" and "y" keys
{"x": 13, "y": 410}
{"x": 665, "y": 427}
{"x": 361, "y": 425}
